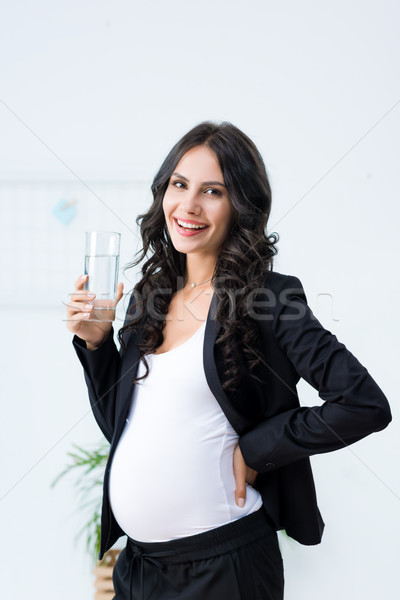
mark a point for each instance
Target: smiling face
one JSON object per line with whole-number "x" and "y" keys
{"x": 196, "y": 204}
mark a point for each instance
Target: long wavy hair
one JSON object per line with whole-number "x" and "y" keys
{"x": 244, "y": 257}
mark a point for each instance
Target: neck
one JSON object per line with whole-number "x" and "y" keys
{"x": 199, "y": 268}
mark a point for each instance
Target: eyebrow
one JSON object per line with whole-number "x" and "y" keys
{"x": 204, "y": 182}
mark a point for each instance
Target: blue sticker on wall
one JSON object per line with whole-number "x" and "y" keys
{"x": 65, "y": 211}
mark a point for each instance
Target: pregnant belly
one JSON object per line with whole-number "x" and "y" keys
{"x": 176, "y": 487}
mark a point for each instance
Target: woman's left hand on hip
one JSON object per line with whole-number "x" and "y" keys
{"x": 243, "y": 474}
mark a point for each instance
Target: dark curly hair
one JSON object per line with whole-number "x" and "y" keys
{"x": 245, "y": 256}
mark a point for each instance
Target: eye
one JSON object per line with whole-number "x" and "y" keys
{"x": 213, "y": 192}
{"x": 178, "y": 184}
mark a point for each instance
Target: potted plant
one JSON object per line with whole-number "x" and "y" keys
{"x": 89, "y": 465}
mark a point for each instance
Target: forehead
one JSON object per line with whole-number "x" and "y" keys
{"x": 199, "y": 163}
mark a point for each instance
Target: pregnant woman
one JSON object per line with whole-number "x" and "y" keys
{"x": 209, "y": 447}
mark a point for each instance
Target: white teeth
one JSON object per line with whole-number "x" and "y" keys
{"x": 190, "y": 225}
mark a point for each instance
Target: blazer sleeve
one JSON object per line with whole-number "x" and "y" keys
{"x": 101, "y": 369}
{"x": 354, "y": 407}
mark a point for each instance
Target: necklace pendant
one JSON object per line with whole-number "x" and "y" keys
{"x": 193, "y": 284}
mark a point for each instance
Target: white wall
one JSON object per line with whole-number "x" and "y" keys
{"x": 101, "y": 90}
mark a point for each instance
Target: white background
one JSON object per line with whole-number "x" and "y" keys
{"x": 93, "y": 94}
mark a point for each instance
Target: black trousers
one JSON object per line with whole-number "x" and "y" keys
{"x": 237, "y": 561}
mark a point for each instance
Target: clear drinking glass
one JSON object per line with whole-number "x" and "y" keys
{"x": 101, "y": 265}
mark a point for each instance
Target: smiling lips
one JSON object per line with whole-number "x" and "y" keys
{"x": 188, "y": 228}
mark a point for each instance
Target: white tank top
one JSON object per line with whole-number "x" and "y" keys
{"x": 172, "y": 471}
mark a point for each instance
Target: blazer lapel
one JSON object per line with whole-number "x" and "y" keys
{"x": 238, "y": 422}
{"x": 129, "y": 368}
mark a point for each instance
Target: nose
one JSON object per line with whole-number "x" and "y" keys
{"x": 190, "y": 202}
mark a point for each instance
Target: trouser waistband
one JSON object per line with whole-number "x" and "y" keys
{"x": 209, "y": 543}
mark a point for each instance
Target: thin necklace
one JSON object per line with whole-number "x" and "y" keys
{"x": 200, "y": 282}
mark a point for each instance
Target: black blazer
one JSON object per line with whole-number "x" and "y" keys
{"x": 276, "y": 434}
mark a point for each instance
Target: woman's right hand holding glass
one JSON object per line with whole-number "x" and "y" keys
{"x": 79, "y": 309}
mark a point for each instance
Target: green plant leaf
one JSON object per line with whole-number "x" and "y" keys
{"x": 88, "y": 467}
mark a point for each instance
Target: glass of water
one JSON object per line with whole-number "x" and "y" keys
{"x": 101, "y": 265}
